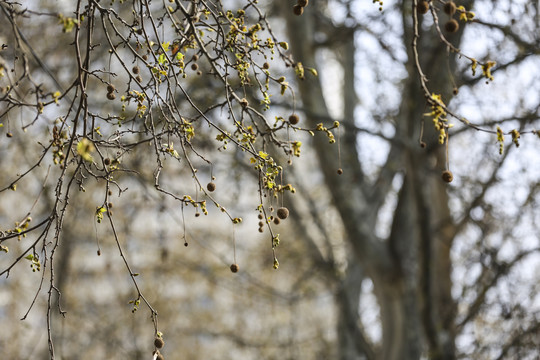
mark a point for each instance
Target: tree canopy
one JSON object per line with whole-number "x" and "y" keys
{"x": 383, "y": 137}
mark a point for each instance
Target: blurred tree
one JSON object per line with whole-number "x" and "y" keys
{"x": 393, "y": 262}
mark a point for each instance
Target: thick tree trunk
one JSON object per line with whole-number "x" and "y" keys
{"x": 411, "y": 269}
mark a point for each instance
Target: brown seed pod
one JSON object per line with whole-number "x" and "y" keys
{"x": 422, "y": 7}
{"x": 450, "y": 8}
{"x": 136, "y": 69}
{"x": 294, "y": 119}
{"x": 298, "y": 10}
{"x": 159, "y": 355}
{"x": 110, "y": 205}
{"x": 340, "y": 171}
{"x": 447, "y": 176}
{"x": 451, "y": 26}
{"x": 266, "y": 66}
{"x": 283, "y": 213}
{"x": 158, "y": 342}
{"x": 455, "y": 91}
{"x": 110, "y": 88}
{"x": 145, "y": 57}
{"x": 9, "y": 134}
{"x": 302, "y": 3}
{"x": 195, "y": 57}
{"x": 277, "y": 221}
{"x": 138, "y": 78}
{"x": 111, "y": 96}
{"x": 194, "y": 66}
{"x": 261, "y": 230}
{"x": 261, "y": 224}
{"x": 211, "y": 186}
{"x": 139, "y": 31}
{"x": 107, "y": 161}
{"x": 235, "y": 268}
{"x": 260, "y": 216}
{"x": 244, "y": 102}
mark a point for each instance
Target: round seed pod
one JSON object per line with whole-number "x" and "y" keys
{"x": 298, "y": 10}
{"x": 283, "y": 213}
{"x": 340, "y": 171}
{"x": 451, "y": 26}
{"x": 450, "y": 8}
{"x": 136, "y": 69}
{"x": 235, "y": 268}
{"x": 159, "y": 355}
{"x": 110, "y": 88}
{"x": 145, "y": 57}
{"x": 422, "y": 7}
{"x": 211, "y": 186}
{"x": 9, "y": 134}
{"x": 138, "y": 78}
{"x": 302, "y": 3}
{"x": 195, "y": 57}
{"x": 447, "y": 176}
{"x": 194, "y": 66}
{"x": 260, "y": 216}
{"x": 111, "y": 96}
{"x": 107, "y": 161}
{"x": 266, "y": 66}
{"x": 158, "y": 342}
{"x": 294, "y": 119}
{"x": 277, "y": 221}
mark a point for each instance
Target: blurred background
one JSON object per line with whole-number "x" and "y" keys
{"x": 383, "y": 261}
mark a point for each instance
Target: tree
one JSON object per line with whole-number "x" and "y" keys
{"x": 197, "y": 73}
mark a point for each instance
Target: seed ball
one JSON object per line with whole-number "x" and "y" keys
{"x": 145, "y": 57}
{"x": 298, "y": 10}
{"x": 111, "y": 96}
{"x": 159, "y": 356}
{"x": 110, "y": 192}
{"x": 138, "y": 78}
{"x": 194, "y": 66}
{"x": 9, "y": 134}
{"x": 244, "y": 102}
{"x": 197, "y": 214}
{"x": 455, "y": 91}
{"x": 447, "y": 176}
{"x": 422, "y": 7}
{"x": 195, "y": 57}
{"x": 107, "y": 161}
{"x": 110, "y": 205}
{"x": 261, "y": 230}
{"x": 211, "y": 186}
{"x": 450, "y": 8}
{"x": 283, "y": 213}
{"x": 199, "y": 73}
{"x": 302, "y": 3}
{"x": 294, "y": 119}
{"x": 110, "y": 88}
{"x": 260, "y": 216}
{"x": 277, "y": 221}
{"x": 261, "y": 224}
{"x": 158, "y": 342}
{"x": 451, "y": 26}
{"x": 423, "y": 145}
{"x": 136, "y": 69}
{"x": 235, "y": 268}
{"x": 266, "y": 66}
{"x": 139, "y": 31}
{"x": 340, "y": 171}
